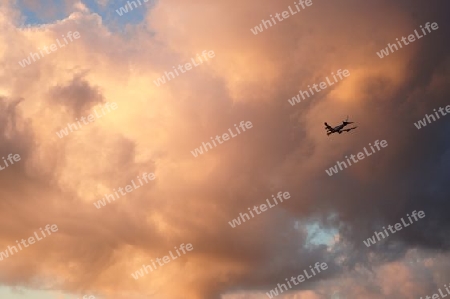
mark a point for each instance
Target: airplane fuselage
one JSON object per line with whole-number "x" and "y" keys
{"x": 338, "y": 128}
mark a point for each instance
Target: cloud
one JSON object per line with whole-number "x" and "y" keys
{"x": 77, "y": 95}
{"x": 191, "y": 201}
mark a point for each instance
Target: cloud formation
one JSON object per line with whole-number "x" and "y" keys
{"x": 192, "y": 199}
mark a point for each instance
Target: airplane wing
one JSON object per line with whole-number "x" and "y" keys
{"x": 348, "y": 130}
{"x": 328, "y": 127}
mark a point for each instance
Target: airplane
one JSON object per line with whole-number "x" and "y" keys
{"x": 339, "y": 129}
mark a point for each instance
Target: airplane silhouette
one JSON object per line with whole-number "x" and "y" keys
{"x": 339, "y": 129}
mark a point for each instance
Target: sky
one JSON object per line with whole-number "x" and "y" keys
{"x": 98, "y": 112}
